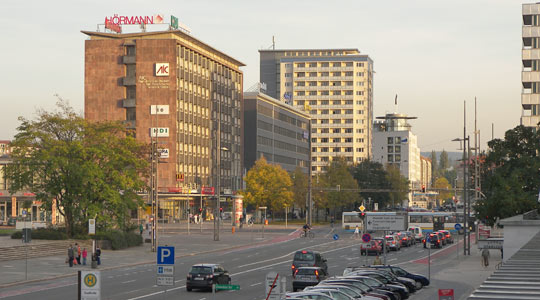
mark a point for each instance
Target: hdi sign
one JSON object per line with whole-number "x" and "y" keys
{"x": 159, "y": 132}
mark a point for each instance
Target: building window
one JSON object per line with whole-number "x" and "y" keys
{"x": 324, "y": 149}
{"x": 324, "y": 130}
{"x": 397, "y": 158}
{"x": 336, "y": 130}
{"x": 324, "y": 140}
{"x": 360, "y": 150}
{"x": 397, "y": 140}
{"x": 390, "y": 149}
{"x": 359, "y": 73}
{"x": 336, "y": 149}
{"x": 397, "y": 149}
{"x": 348, "y": 140}
{"x": 359, "y": 83}
{"x": 287, "y": 84}
{"x": 359, "y": 93}
{"x": 348, "y": 130}
{"x": 288, "y": 75}
{"x": 360, "y": 64}
{"x": 390, "y": 158}
{"x": 390, "y": 140}
{"x": 288, "y": 65}
{"x": 336, "y": 140}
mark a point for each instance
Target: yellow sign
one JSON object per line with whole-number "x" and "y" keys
{"x": 179, "y": 177}
{"x": 90, "y": 280}
{"x": 362, "y": 208}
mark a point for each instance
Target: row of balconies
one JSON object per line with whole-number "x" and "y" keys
{"x": 323, "y": 97}
{"x": 322, "y": 69}
{"x": 324, "y": 78}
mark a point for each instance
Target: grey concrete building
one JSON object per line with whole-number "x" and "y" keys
{"x": 276, "y": 131}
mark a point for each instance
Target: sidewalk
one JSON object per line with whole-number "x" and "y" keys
{"x": 41, "y": 268}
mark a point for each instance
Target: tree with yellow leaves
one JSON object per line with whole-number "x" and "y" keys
{"x": 268, "y": 185}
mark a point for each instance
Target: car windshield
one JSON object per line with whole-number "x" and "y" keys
{"x": 201, "y": 270}
{"x": 390, "y": 238}
{"x": 305, "y": 272}
{"x": 399, "y": 271}
{"x": 300, "y": 256}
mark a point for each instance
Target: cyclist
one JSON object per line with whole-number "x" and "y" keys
{"x": 306, "y": 228}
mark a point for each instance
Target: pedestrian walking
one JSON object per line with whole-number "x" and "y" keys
{"x": 84, "y": 255}
{"x": 98, "y": 255}
{"x": 485, "y": 257}
{"x": 141, "y": 228}
{"x": 79, "y": 252}
{"x": 332, "y": 222}
{"x": 70, "y": 256}
{"x": 377, "y": 260}
{"x": 356, "y": 232}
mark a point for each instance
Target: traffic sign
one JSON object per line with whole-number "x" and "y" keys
{"x": 165, "y": 270}
{"x": 362, "y": 208}
{"x": 165, "y": 255}
{"x": 457, "y": 226}
{"x": 446, "y": 294}
{"x": 273, "y": 286}
{"x": 386, "y": 221}
{"x": 336, "y": 237}
{"x": 227, "y": 287}
{"x": 165, "y": 280}
{"x": 90, "y": 285}
{"x": 366, "y": 237}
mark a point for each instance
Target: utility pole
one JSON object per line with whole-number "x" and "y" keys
{"x": 218, "y": 175}
{"x": 465, "y": 181}
{"x": 154, "y": 179}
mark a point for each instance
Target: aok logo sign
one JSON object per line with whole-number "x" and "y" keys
{"x": 161, "y": 69}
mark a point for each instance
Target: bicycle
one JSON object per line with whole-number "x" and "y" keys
{"x": 308, "y": 234}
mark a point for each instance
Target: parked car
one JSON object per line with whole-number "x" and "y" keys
{"x": 448, "y": 236}
{"x": 417, "y": 232}
{"x": 389, "y": 284}
{"x": 393, "y": 242}
{"x": 203, "y": 276}
{"x": 334, "y": 293}
{"x": 373, "y": 246}
{"x": 308, "y": 295}
{"x": 409, "y": 283}
{"x": 349, "y": 290}
{"x": 421, "y": 280}
{"x": 307, "y": 276}
{"x": 434, "y": 239}
{"x": 367, "y": 291}
{"x": 308, "y": 258}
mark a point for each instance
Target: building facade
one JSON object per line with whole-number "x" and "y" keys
{"x": 530, "y": 59}
{"x": 425, "y": 172}
{"x": 174, "y": 88}
{"x": 276, "y": 131}
{"x": 336, "y": 87}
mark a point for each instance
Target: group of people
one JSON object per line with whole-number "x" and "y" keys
{"x": 75, "y": 254}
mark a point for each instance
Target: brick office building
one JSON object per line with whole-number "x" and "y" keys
{"x": 185, "y": 80}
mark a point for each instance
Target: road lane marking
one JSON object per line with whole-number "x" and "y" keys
{"x": 128, "y": 281}
{"x": 256, "y": 284}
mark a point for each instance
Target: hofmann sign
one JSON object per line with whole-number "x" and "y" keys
{"x": 386, "y": 221}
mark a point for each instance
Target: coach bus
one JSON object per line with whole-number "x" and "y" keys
{"x": 433, "y": 221}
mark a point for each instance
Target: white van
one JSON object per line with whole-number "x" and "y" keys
{"x": 417, "y": 232}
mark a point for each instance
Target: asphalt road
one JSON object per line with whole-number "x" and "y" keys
{"x": 247, "y": 266}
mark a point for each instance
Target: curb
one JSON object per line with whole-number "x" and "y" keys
{"x": 16, "y": 283}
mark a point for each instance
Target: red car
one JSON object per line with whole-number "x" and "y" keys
{"x": 371, "y": 247}
{"x": 447, "y": 236}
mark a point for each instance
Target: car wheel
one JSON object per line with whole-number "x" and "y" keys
{"x": 418, "y": 285}
{"x": 188, "y": 288}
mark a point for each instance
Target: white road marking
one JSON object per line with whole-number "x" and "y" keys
{"x": 128, "y": 281}
{"x": 256, "y": 284}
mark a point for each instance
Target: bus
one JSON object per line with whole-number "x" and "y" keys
{"x": 351, "y": 219}
{"x": 433, "y": 221}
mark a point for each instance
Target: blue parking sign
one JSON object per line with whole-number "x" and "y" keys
{"x": 165, "y": 255}
{"x": 457, "y": 226}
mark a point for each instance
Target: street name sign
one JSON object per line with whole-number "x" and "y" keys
{"x": 491, "y": 243}
{"x": 90, "y": 285}
{"x": 386, "y": 221}
{"x": 227, "y": 287}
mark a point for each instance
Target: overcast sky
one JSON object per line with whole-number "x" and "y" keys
{"x": 433, "y": 54}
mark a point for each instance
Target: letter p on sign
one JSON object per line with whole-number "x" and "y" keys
{"x": 165, "y": 256}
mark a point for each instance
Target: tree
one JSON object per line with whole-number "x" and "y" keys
{"x": 398, "y": 183}
{"x": 510, "y": 175}
{"x": 300, "y": 188}
{"x": 442, "y": 183}
{"x": 83, "y": 169}
{"x": 444, "y": 162}
{"x": 372, "y": 175}
{"x": 434, "y": 166}
{"x": 338, "y": 176}
{"x": 268, "y": 185}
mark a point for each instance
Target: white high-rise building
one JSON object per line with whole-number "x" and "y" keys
{"x": 530, "y": 75}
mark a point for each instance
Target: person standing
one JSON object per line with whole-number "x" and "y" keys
{"x": 98, "y": 255}
{"x": 70, "y": 256}
{"x": 84, "y": 255}
{"x": 485, "y": 257}
{"x": 141, "y": 228}
{"x": 377, "y": 260}
{"x": 356, "y": 232}
{"x": 79, "y": 252}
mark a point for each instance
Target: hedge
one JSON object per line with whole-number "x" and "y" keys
{"x": 43, "y": 234}
{"x": 119, "y": 239}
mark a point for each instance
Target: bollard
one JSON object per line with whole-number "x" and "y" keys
{"x": 233, "y": 229}
{"x": 266, "y": 222}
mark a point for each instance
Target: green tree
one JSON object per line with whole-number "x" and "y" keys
{"x": 444, "y": 162}
{"x": 442, "y": 183}
{"x": 510, "y": 175}
{"x": 338, "y": 176}
{"x": 372, "y": 175}
{"x": 434, "y": 166}
{"x": 84, "y": 169}
{"x": 300, "y": 188}
{"x": 268, "y": 185}
{"x": 398, "y": 183}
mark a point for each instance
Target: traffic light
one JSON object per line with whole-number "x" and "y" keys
{"x": 200, "y": 209}
{"x": 423, "y": 188}
{"x": 221, "y": 209}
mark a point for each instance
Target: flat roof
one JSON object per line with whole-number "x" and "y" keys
{"x": 121, "y": 36}
{"x": 263, "y": 96}
{"x": 355, "y": 50}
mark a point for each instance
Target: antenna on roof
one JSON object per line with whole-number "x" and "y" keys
{"x": 273, "y": 43}
{"x": 395, "y": 103}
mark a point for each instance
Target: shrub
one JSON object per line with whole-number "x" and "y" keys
{"x": 16, "y": 235}
{"x": 120, "y": 240}
{"x": 43, "y": 234}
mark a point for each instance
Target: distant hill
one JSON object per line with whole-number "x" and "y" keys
{"x": 453, "y": 156}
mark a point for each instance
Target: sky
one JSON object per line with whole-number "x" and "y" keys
{"x": 433, "y": 54}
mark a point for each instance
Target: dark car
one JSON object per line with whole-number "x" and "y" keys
{"x": 421, "y": 280}
{"x": 448, "y": 236}
{"x": 203, "y": 276}
{"x": 442, "y": 237}
{"x": 373, "y": 246}
{"x": 366, "y": 289}
{"x": 307, "y": 276}
{"x": 388, "y": 282}
{"x": 307, "y": 258}
{"x": 434, "y": 240}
